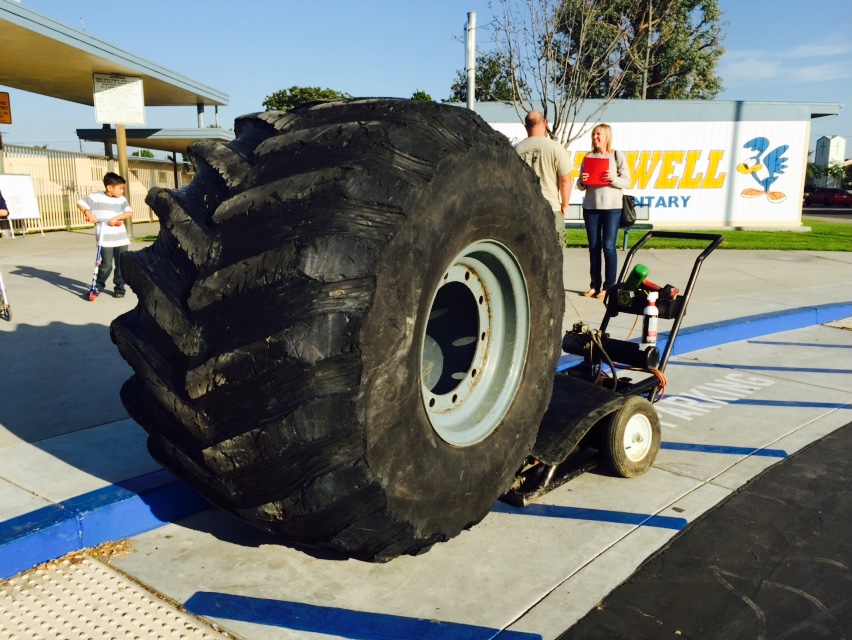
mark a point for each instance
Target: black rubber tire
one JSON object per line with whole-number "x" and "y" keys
{"x": 276, "y": 343}
{"x": 615, "y": 449}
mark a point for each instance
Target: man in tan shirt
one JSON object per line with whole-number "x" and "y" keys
{"x": 551, "y": 163}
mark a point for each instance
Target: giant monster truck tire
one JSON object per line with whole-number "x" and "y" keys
{"x": 348, "y": 325}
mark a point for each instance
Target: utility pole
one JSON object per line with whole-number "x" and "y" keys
{"x": 470, "y": 44}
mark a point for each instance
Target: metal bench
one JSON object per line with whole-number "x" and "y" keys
{"x": 574, "y": 221}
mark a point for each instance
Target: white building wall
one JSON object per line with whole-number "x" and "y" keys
{"x": 706, "y": 174}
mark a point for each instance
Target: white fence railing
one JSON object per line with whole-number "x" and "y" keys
{"x": 60, "y": 178}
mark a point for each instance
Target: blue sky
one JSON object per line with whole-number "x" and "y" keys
{"x": 777, "y": 50}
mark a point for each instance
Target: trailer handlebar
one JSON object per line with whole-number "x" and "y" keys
{"x": 713, "y": 239}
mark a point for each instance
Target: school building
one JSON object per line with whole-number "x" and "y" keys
{"x": 699, "y": 163}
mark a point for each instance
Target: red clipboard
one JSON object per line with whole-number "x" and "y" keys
{"x": 596, "y": 168}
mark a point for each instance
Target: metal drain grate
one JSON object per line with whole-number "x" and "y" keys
{"x": 80, "y": 598}
{"x": 845, "y": 323}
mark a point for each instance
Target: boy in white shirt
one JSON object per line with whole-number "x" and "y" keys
{"x": 109, "y": 207}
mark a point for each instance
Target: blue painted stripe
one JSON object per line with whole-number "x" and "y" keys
{"x": 345, "y": 623}
{"x": 801, "y": 344}
{"x": 596, "y": 515}
{"x": 791, "y": 403}
{"x": 158, "y": 498}
{"x": 567, "y": 361}
{"x": 716, "y": 333}
{"x": 712, "y": 448}
{"x": 112, "y": 513}
{"x": 713, "y": 334}
{"x": 33, "y": 538}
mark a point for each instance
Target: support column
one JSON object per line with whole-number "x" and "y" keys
{"x": 123, "y": 167}
{"x": 175, "y": 169}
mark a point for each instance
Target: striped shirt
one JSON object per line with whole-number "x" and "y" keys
{"x": 105, "y": 207}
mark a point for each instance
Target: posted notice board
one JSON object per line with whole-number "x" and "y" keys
{"x": 18, "y": 192}
{"x": 118, "y": 99}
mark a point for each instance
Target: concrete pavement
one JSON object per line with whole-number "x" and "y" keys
{"x": 67, "y": 447}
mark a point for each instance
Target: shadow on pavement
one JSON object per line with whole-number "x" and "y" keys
{"x": 59, "y": 382}
{"x": 58, "y": 379}
{"x": 73, "y": 286}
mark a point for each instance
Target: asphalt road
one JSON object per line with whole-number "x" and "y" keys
{"x": 771, "y": 562}
{"x": 831, "y": 214}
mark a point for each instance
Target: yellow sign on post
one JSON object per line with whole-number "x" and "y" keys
{"x": 5, "y": 109}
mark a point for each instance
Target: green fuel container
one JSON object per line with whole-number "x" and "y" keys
{"x": 636, "y": 277}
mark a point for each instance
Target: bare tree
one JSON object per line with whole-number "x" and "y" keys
{"x": 560, "y": 52}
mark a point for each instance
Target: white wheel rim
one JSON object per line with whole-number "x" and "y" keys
{"x": 638, "y": 434}
{"x": 469, "y": 374}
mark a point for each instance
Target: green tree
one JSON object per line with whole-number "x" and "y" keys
{"x": 816, "y": 171}
{"x": 679, "y": 47}
{"x": 288, "y": 99}
{"x": 143, "y": 153}
{"x": 493, "y": 81}
{"x": 422, "y": 96}
{"x": 836, "y": 172}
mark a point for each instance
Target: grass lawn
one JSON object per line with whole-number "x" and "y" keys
{"x": 823, "y": 236}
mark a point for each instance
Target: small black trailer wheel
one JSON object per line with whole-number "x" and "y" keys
{"x": 632, "y": 438}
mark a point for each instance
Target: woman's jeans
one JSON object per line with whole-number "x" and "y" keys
{"x": 602, "y": 232}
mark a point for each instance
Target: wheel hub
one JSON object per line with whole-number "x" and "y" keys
{"x": 638, "y": 434}
{"x": 474, "y": 347}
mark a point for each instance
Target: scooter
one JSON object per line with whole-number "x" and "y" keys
{"x": 5, "y": 307}
{"x": 93, "y": 288}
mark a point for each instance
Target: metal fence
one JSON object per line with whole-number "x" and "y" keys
{"x": 60, "y": 178}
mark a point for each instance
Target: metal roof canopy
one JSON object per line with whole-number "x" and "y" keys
{"x": 43, "y": 56}
{"x": 676, "y": 111}
{"x": 174, "y": 140}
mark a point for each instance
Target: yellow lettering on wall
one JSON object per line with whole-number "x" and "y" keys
{"x": 642, "y": 167}
{"x": 665, "y": 179}
{"x": 670, "y": 169}
{"x": 578, "y": 160}
{"x": 690, "y": 179}
{"x": 713, "y": 180}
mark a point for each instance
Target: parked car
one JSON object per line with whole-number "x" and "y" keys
{"x": 828, "y": 197}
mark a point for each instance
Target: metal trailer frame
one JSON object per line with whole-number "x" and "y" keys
{"x": 568, "y": 442}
